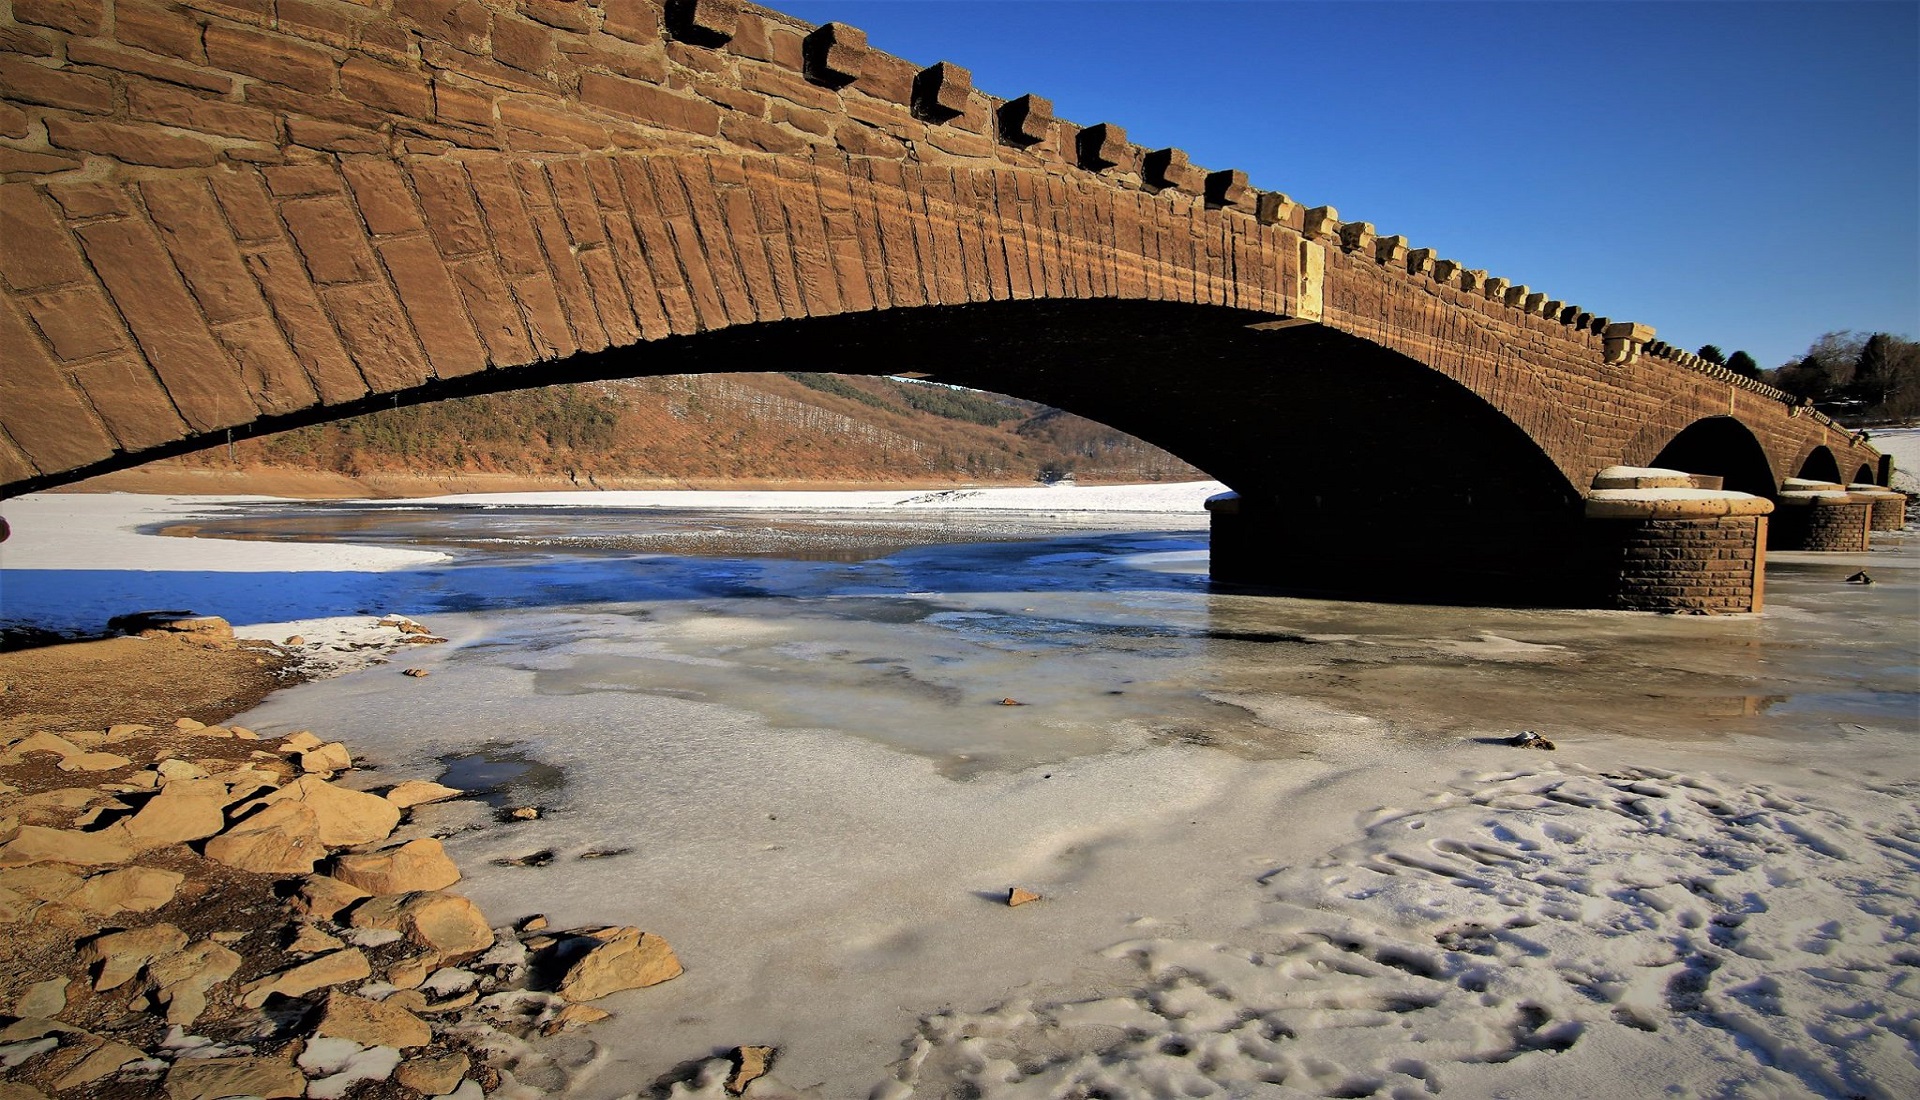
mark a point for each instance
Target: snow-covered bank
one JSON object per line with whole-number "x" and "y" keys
{"x": 1186, "y": 496}
{"x": 1904, "y": 445}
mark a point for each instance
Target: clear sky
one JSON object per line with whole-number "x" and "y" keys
{"x": 1737, "y": 173}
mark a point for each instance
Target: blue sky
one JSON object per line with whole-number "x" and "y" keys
{"x": 1743, "y": 174}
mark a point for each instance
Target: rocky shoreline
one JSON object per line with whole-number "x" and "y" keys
{"x": 194, "y": 911}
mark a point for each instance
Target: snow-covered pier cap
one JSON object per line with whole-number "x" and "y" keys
{"x": 1678, "y": 542}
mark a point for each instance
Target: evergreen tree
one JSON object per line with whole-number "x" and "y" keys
{"x": 1712, "y": 354}
{"x": 1742, "y": 363}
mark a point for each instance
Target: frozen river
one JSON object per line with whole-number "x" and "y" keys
{"x": 1282, "y": 844}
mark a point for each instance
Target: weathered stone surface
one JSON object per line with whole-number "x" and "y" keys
{"x": 749, "y": 1065}
{"x": 624, "y": 958}
{"x": 181, "y": 981}
{"x": 101, "y": 1061}
{"x": 120, "y": 955}
{"x": 309, "y": 939}
{"x": 372, "y": 1023}
{"x": 39, "y": 844}
{"x": 328, "y": 970}
{"x": 448, "y": 924}
{"x": 419, "y": 792}
{"x": 322, "y": 896}
{"x": 213, "y": 1079}
{"x": 416, "y": 865}
{"x": 281, "y": 839}
{"x": 330, "y": 757}
{"x": 45, "y": 999}
{"x": 188, "y": 809}
{"x": 433, "y": 1076}
{"x": 129, "y": 889}
{"x": 345, "y": 817}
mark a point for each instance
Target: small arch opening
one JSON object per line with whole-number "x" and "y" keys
{"x": 1722, "y": 447}
{"x": 1863, "y": 476}
{"x": 1820, "y": 466}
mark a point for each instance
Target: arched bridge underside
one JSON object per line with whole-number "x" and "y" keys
{"x": 231, "y": 216}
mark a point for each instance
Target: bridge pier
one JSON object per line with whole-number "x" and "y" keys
{"x": 1645, "y": 540}
{"x": 1824, "y": 516}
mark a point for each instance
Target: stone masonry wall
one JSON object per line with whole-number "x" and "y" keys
{"x": 222, "y": 213}
{"x": 1710, "y": 566}
{"x": 1827, "y": 527}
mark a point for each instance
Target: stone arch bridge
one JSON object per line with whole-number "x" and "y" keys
{"x": 233, "y": 216}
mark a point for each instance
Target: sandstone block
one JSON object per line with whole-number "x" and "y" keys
{"x": 39, "y": 844}
{"x": 181, "y": 981}
{"x": 345, "y": 817}
{"x": 448, "y": 924}
{"x": 416, "y": 865}
{"x": 419, "y": 792}
{"x": 322, "y": 896}
{"x": 624, "y": 958}
{"x": 120, "y": 955}
{"x": 434, "y": 1076}
{"x": 185, "y": 809}
{"x": 330, "y": 757}
{"x": 44, "y": 999}
{"x": 101, "y": 1061}
{"x": 372, "y": 1023}
{"x": 212, "y": 1079}
{"x": 283, "y": 838}
{"x": 328, "y": 970}
{"x": 135, "y": 889}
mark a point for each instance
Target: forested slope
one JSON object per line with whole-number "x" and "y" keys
{"x": 694, "y": 430}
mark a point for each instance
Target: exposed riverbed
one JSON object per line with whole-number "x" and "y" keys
{"x": 812, "y": 749}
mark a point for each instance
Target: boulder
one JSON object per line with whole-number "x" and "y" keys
{"x": 447, "y": 924}
{"x": 18, "y": 752}
{"x": 419, "y": 792}
{"x": 416, "y": 865}
{"x": 573, "y": 1016}
{"x": 211, "y": 1079}
{"x": 372, "y": 1023}
{"x": 322, "y": 896}
{"x": 187, "y": 809}
{"x": 435, "y": 1076}
{"x": 120, "y": 955}
{"x": 173, "y": 769}
{"x": 39, "y": 844}
{"x": 330, "y": 757}
{"x": 749, "y": 1065}
{"x": 328, "y": 970}
{"x": 624, "y": 958}
{"x": 101, "y": 1061}
{"x": 40, "y": 882}
{"x": 346, "y": 817}
{"x": 181, "y": 981}
{"x": 44, "y": 999}
{"x": 93, "y": 762}
{"x": 283, "y": 839}
{"x": 300, "y": 741}
{"x": 308, "y": 939}
{"x": 129, "y": 889}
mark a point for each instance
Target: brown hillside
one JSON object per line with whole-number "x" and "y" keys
{"x": 691, "y": 431}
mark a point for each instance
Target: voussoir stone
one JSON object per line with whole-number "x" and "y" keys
{"x": 372, "y": 1023}
{"x": 448, "y": 924}
{"x": 349, "y": 965}
{"x": 416, "y": 865}
{"x": 625, "y": 958}
{"x": 211, "y": 1079}
{"x": 39, "y": 844}
{"x": 346, "y": 817}
{"x": 283, "y": 839}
